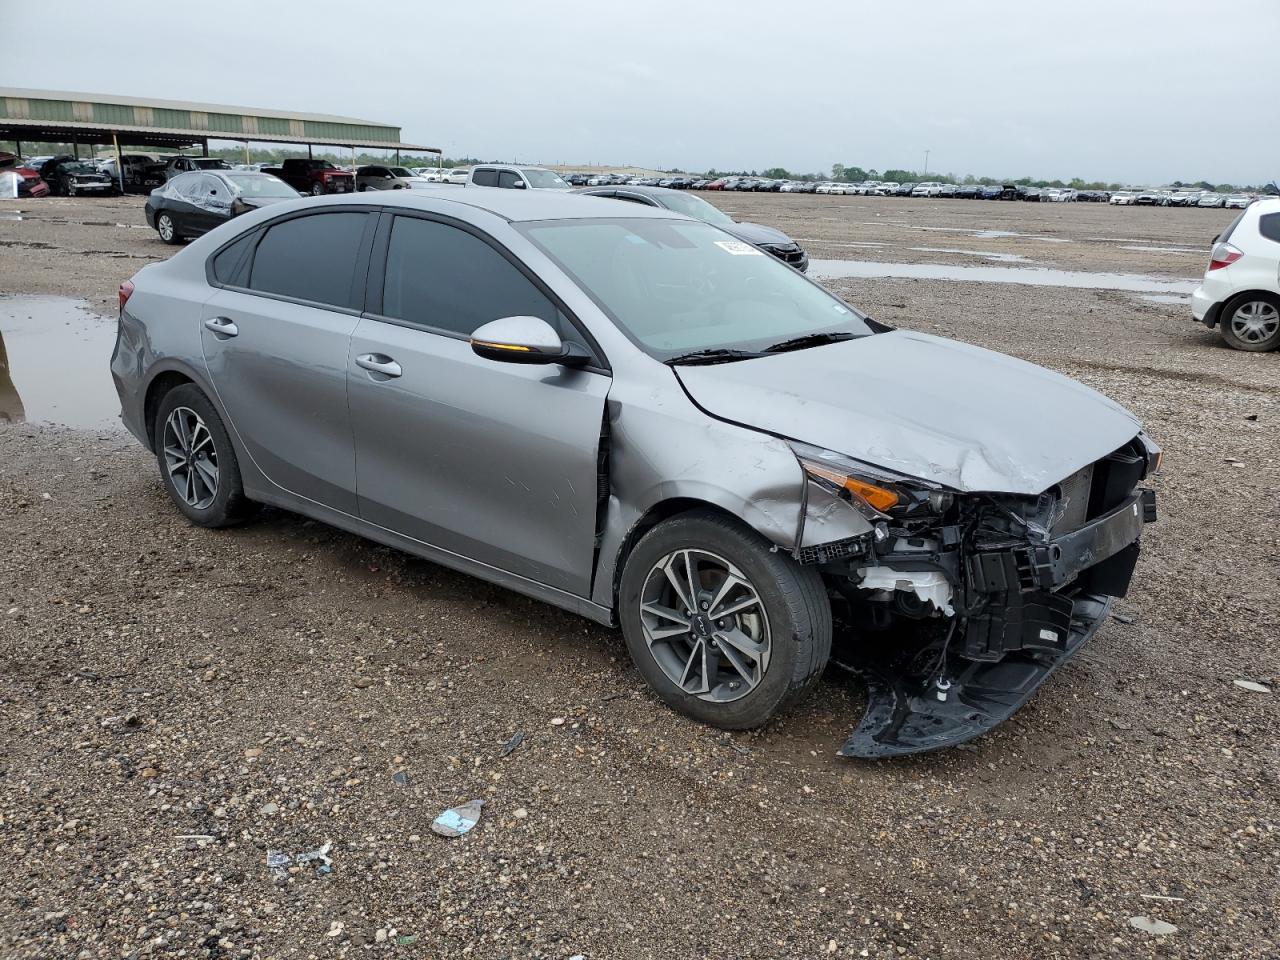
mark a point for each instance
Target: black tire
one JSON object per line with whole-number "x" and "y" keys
{"x": 317, "y": 189}
{"x": 793, "y": 597}
{"x": 229, "y": 505}
{"x": 167, "y": 228}
{"x": 1234, "y": 340}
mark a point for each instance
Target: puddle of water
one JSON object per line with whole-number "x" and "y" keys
{"x": 54, "y": 364}
{"x": 995, "y": 234}
{"x": 1166, "y": 298}
{"x": 1189, "y": 250}
{"x": 832, "y": 243}
{"x": 1030, "y": 276}
{"x": 984, "y": 254}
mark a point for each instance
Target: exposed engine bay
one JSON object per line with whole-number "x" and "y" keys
{"x": 959, "y": 605}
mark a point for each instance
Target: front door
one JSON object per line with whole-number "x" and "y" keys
{"x": 495, "y": 462}
{"x": 276, "y": 346}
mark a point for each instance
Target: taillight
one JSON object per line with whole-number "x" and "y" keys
{"x": 1223, "y": 255}
{"x": 126, "y": 291}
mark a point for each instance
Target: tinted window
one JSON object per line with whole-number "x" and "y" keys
{"x": 227, "y": 261}
{"x": 508, "y": 179}
{"x": 1269, "y": 226}
{"x": 485, "y": 178}
{"x": 443, "y": 277}
{"x": 311, "y": 258}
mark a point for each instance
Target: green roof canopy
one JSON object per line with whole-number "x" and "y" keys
{"x": 57, "y": 116}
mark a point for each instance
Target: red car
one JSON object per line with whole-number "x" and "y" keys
{"x": 29, "y": 182}
{"x": 716, "y": 184}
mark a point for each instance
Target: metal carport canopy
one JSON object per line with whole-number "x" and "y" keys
{"x": 58, "y": 116}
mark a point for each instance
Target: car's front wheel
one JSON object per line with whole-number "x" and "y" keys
{"x": 167, "y": 229}
{"x": 1252, "y": 322}
{"x": 724, "y": 627}
{"x": 317, "y": 189}
{"x": 197, "y": 462}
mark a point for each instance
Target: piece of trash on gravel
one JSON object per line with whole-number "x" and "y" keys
{"x": 407, "y": 940}
{"x": 1157, "y": 928}
{"x": 1252, "y": 686}
{"x": 458, "y": 820}
{"x": 279, "y": 861}
{"x": 400, "y": 778}
{"x": 511, "y": 744}
{"x": 1121, "y": 617}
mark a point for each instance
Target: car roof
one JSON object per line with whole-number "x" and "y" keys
{"x": 511, "y": 205}
{"x": 658, "y": 192}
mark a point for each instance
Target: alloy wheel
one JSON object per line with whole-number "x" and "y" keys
{"x": 165, "y": 227}
{"x": 705, "y": 625}
{"x": 191, "y": 458}
{"x": 1255, "y": 322}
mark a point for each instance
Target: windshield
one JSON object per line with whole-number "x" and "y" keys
{"x": 261, "y": 185}
{"x": 320, "y": 165}
{"x": 400, "y": 172}
{"x": 695, "y": 207}
{"x": 211, "y": 163}
{"x": 544, "y": 180}
{"x": 675, "y": 286}
{"x": 78, "y": 168}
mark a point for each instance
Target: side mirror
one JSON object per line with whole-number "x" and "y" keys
{"x": 525, "y": 340}
{"x": 518, "y": 185}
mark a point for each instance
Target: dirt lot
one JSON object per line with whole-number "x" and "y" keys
{"x": 261, "y": 687}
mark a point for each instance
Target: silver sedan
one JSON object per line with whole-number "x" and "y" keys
{"x": 642, "y": 419}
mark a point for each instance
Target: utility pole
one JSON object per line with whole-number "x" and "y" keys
{"x": 926, "y": 161}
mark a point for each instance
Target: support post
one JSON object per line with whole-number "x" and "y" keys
{"x": 115, "y": 140}
{"x": 204, "y": 147}
{"x": 309, "y": 157}
{"x": 75, "y": 148}
{"x": 246, "y": 153}
{"x": 17, "y": 147}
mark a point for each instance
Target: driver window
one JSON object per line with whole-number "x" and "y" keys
{"x": 442, "y": 277}
{"x": 508, "y": 178}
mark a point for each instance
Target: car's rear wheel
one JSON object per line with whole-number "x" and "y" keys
{"x": 197, "y": 461}
{"x": 725, "y": 628}
{"x": 1251, "y": 322}
{"x": 317, "y": 189}
{"x": 167, "y": 228}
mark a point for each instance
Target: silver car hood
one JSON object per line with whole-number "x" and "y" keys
{"x": 924, "y": 406}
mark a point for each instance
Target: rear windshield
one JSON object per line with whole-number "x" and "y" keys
{"x": 261, "y": 185}
{"x": 1225, "y": 235}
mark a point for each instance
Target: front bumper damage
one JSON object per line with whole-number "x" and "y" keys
{"x": 954, "y": 624}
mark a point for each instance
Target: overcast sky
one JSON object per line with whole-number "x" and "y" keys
{"x": 1131, "y": 91}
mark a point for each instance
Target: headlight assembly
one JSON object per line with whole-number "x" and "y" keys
{"x": 877, "y": 494}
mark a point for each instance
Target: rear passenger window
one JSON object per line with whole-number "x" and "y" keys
{"x": 443, "y": 277}
{"x": 508, "y": 179}
{"x": 227, "y": 261}
{"x": 1269, "y": 226}
{"x": 485, "y": 178}
{"x": 311, "y": 258}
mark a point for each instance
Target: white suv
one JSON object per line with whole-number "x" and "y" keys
{"x": 515, "y": 177}
{"x": 1240, "y": 293}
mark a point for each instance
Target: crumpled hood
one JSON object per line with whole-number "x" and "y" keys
{"x": 756, "y": 233}
{"x": 938, "y": 409}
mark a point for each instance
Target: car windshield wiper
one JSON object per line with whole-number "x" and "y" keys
{"x": 808, "y": 340}
{"x": 716, "y": 355}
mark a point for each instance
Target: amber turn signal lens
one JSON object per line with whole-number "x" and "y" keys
{"x": 877, "y": 497}
{"x": 500, "y": 346}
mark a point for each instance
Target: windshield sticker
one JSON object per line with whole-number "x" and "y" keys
{"x": 738, "y": 248}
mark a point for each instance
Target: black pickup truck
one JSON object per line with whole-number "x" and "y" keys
{"x": 158, "y": 174}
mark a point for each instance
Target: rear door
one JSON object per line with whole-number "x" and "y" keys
{"x": 276, "y": 336}
{"x": 496, "y": 462}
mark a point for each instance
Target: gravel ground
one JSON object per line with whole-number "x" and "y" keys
{"x": 177, "y": 702}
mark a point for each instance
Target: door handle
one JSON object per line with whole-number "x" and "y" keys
{"x": 222, "y": 327}
{"x": 379, "y": 363}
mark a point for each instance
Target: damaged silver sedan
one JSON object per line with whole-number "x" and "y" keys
{"x": 640, "y": 418}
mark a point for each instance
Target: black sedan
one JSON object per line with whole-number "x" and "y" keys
{"x": 194, "y": 203}
{"x": 768, "y": 239}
